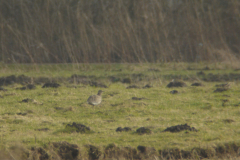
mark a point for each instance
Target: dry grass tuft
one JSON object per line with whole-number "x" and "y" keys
{"x": 54, "y": 31}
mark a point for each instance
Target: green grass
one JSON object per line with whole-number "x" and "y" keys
{"x": 103, "y": 70}
{"x": 199, "y": 107}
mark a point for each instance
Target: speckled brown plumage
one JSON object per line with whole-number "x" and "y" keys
{"x": 95, "y": 99}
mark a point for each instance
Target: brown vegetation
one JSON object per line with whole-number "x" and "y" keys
{"x": 107, "y": 31}
{"x": 66, "y": 151}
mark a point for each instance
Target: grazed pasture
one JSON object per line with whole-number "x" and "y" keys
{"x": 37, "y": 121}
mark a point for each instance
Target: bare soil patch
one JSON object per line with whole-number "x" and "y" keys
{"x": 125, "y": 129}
{"x": 179, "y": 128}
{"x": 52, "y": 85}
{"x": 197, "y": 84}
{"x": 143, "y": 130}
{"x": 174, "y": 92}
{"x": 176, "y": 84}
{"x": 77, "y": 127}
{"x": 220, "y": 90}
{"x": 133, "y": 86}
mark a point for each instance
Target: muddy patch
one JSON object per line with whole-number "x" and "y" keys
{"x": 97, "y": 84}
{"x": 176, "y": 84}
{"x": 114, "y": 79}
{"x": 42, "y": 129}
{"x": 221, "y": 77}
{"x": 113, "y": 94}
{"x": 223, "y": 85}
{"x": 64, "y": 109}
{"x": 29, "y": 86}
{"x": 147, "y": 86}
{"x": 127, "y": 80}
{"x": 197, "y": 84}
{"x": 228, "y": 121}
{"x": 13, "y": 79}
{"x": 201, "y": 73}
{"x": 179, "y": 128}
{"x": 125, "y": 129}
{"x": 78, "y": 79}
{"x": 220, "y": 90}
{"x": 138, "y": 99}
{"x": 143, "y": 130}
{"x": 59, "y": 108}
{"x": 154, "y": 70}
{"x": 27, "y": 100}
{"x": 77, "y": 127}
{"x": 124, "y": 78}
{"x": 133, "y": 86}
{"x": 174, "y": 92}
{"x": 51, "y": 85}
{"x": 22, "y": 113}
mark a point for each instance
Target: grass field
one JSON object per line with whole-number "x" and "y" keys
{"x": 43, "y": 119}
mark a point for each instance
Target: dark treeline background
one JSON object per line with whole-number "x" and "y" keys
{"x": 105, "y": 31}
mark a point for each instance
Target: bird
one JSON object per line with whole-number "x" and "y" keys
{"x": 95, "y": 99}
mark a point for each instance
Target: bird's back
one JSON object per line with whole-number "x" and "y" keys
{"x": 94, "y": 100}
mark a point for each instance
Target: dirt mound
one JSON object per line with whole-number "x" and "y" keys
{"x": 136, "y": 98}
{"x": 132, "y": 86}
{"x": 86, "y": 80}
{"x": 52, "y": 85}
{"x": 29, "y": 86}
{"x": 22, "y": 113}
{"x": 201, "y": 73}
{"x": 114, "y": 79}
{"x": 66, "y": 150}
{"x": 221, "y": 77}
{"x": 42, "y": 129}
{"x": 222, "y": 85}
{"x": 143, "y": 130}
{"x": 78, "y": 77}
{"x": 197, "y": 84}
{"x": 27, "y": 100}
{"x": 228, "y": 121}
{"x": 97, "y": 84}
{"x": 147, "y": 86}
{"x": 220, "y": 90}
{"x": 22, "y": 79}
{"x": 179, "y": 128}
{"x": 93, "y": 152}
{"x": 125, "y": 129}
{"x": 77, "y": 127}
{"x": 206, "y": 68}
{"x": 173, "y": 92}
{"x": 176, "y": 84}
{"x": 127, "y": 80}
